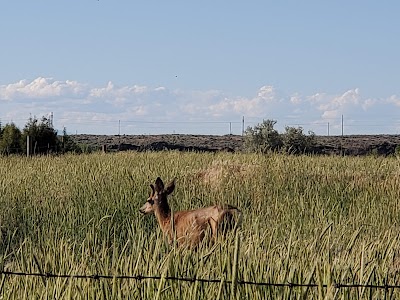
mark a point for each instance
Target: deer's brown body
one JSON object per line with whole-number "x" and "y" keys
{"x": 188, "y": 227}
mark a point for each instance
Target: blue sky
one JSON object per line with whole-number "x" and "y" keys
{"x": 199, "y": 66}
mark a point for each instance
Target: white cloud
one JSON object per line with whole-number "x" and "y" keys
{"x": 80, "y": 105}
{"x": 296, "y": 99}
{"x": 267, "y": 93}
{"x": 369, "y": 103}
{"x": 267, "y": 99}
{"x": 332, "y": 106}
{"x": 349, "y": 97}
{"x": 111, "y": 91}
{"x": 394, "y": 100}
{"x": 41, "y": 88}
{"x": 330, "y": 114}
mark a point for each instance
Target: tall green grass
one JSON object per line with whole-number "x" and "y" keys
{"x": 322, "y": 220}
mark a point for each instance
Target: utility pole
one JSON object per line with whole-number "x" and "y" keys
{"x": 119, "y": 134}
{"x": 342, "y": 125}
{"x": 28, "y": 146}
{"x": 243, "y": 126}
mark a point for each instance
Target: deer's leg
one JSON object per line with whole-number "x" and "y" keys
{"x": 214, "y": 228}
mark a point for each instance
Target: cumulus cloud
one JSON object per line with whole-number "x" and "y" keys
{"x": 111, "y": 91}
{"x": 41, "y": 88}
{"x": 332, "y": 106}
{"x": 80, "y": 104}
{"x": 394, "y": 100}
{"x": 265, "y": 102}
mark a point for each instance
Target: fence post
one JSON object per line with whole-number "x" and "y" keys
{"x": 243, "y": 126}
{"x": 235, "y": 265}
{"x": 28, "y": 146}
{"x": 342, "y": 126}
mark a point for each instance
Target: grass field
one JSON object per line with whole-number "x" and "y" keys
{"x": 322, "y": 220}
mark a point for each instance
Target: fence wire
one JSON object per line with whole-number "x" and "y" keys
{"x": 202, "y": 280}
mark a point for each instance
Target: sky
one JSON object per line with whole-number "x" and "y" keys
{"x": 201, "y": 67}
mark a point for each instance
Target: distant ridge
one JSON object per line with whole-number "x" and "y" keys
{"x": 339, "y": 145}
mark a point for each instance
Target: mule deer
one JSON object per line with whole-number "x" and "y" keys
{"x": 188, "y": 227}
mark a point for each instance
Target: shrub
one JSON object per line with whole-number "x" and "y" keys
{"x": 10, "y": 139}
{"x": 295, "y": 141}
{"x": 42, "y": 136}
{"x": 263, "y": 137}
{"x": 397, "y": 150}
{"x": 68, "y": 144}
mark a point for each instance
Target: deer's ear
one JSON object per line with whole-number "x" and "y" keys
{"x": 170, "y": 187}
{"x": 152, "y": 189}
{"x": 159, "y": 187}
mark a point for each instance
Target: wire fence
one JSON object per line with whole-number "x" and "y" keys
{"x": 347, "y": 125}
{"x": 335, "y": 285}
{"x": 235, "y": 127}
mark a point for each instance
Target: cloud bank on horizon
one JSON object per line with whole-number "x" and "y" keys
{"x": 138, "y": 109}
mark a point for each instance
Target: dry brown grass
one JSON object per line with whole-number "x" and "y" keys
{"x": 214, "y": 174}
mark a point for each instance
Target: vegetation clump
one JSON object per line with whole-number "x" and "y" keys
{"x": 264, "y": 138}
{"x": 43, "y": 138}
{"x": 10, "y": 139}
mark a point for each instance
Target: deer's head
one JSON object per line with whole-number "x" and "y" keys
{"x": 158, "y": 196}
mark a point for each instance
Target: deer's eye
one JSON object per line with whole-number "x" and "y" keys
{"x": 151, "y": 201}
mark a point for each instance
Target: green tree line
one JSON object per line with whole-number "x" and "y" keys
{"x": 43, "y": 138}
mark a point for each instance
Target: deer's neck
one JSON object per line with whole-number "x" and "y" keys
{"x": 163, "y": 215}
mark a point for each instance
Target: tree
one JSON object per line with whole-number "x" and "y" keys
{"x": 42, "y": 136}
{"x": 295, "y": 141}
{"x": 68, "y": 144}
{"x": 10, "y": 139}
{"x": 263, "y": 137}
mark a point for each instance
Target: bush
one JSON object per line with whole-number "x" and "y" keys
{"x": 10, "y": 139}
{"x": 295, "y": 141}
{"x": 263, "y": 137}
{"x": 42, "y": 136}
{"x": 68, "y": 145}
{"x": 43, "y": 139}
{"x": 397, "y": 151}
